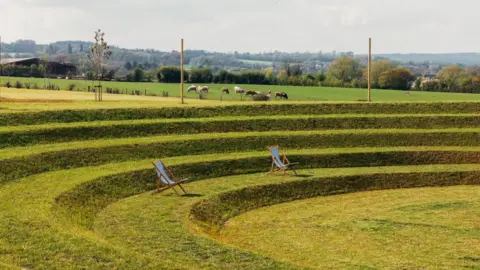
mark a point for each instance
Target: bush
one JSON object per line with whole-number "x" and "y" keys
{"x": 27, "y": 85}
{"x": 8, "y": 84}
{"x": 18, "y": 85}
{"x": 71, "y": 87}
{"x": 35, "y": 86}
{"x": 51, "y": 86}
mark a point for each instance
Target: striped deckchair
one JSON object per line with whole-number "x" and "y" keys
{"x": 280, "y": 164}
{"x": 164, "y": 181}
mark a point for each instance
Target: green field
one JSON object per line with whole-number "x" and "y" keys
{"x": 295, "y": 93}
{"x": 381, "y": 185}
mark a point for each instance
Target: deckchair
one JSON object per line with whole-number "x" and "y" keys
{"x": 164, "y": 181}
{"x": 279, "y": 164}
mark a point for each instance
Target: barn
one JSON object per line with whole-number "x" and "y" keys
{"x": 54, "y": 68}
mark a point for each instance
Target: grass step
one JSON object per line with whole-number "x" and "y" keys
{"x": 126, "y": 221}
{"x": 132, "y": 233}
{"x": 63, "y": 116}
{"x": 354, "y": 228}
{"x": 30, "y": 135}
{"x": 183, "y": 137}
{"x": 22, "y": 166}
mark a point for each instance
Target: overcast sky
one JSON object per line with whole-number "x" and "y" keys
{"x": 251, "y": 25}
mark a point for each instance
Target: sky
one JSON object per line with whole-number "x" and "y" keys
{"x": 407, "y": 26}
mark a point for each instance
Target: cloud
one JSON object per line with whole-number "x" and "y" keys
{"x": 251, "y": 25}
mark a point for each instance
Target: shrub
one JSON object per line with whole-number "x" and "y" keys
{"x": 51, "y": 86}
{"x": 71, "y": 86}
{"x": 27, "y": 85}
{"x": 8, "y": 84}
{"x": 18, "y": 85}
{"x": 35, "y": 86}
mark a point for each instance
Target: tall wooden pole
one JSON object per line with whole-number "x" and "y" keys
{"x": 181, "y": 72}
{"x": 370, "y": 70}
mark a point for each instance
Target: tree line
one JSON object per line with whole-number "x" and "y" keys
{"x": 344, "y": 72}
{"x": 452, "y": 78}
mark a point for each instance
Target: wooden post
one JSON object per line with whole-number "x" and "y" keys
{"x": 370, "y": 70}
{"x": 181, "y": 72}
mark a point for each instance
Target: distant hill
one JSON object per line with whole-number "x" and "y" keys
{"x": 123, "y": 60}
{"x": 441, "y": 58}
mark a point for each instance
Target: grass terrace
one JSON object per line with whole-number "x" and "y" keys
{"x": 380, "y": 185}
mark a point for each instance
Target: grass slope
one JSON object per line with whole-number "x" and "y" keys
{"x": 129, "y": 222}
{"x": 70, "y": 202}
{"x": 434, "y": 228}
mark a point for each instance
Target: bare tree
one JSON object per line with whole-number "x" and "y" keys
{"x": 99, "y": 54}
{"x": 45, "y": 69}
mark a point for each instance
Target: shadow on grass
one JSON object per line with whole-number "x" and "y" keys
{"x": 193, "y": 195}
{"x": 472, "y": 259}
{"x": 304, "y": 175}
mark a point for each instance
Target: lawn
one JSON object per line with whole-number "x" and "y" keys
{"x": 295, "y": 93}
{"x": 433, "y": 227}
{"x": 77, "y": 179}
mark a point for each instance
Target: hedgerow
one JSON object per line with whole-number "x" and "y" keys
{"x": 68, "y": 116}
{"x": 212, "y": 213}
{"x": 83, "y": 202}
{"x": 16, "y": 168}
{"x": 112, "y": 130}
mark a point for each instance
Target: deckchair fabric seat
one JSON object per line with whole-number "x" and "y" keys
{"x": 163, "y": 175}
{"x": 280, "y": 164}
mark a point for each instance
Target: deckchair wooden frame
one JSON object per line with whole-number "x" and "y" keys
{"x": 161, "y": 186}
{"x": 286, "y": 162}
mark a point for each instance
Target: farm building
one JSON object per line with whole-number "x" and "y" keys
{"x": 55, "y": 68}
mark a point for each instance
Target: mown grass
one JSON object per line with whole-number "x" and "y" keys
{"x": 68, "y": 201}
{"x": 228, "y": 143}
{"x": 362, "y": 120}
{"x": 430, "y": 228}
{"x": 48, "y": 240}
{"x": 294, "y": 92}
{"x": 260, "y": 109}
{"x": 47, "y": 133}
{"x": 130, "y": 221}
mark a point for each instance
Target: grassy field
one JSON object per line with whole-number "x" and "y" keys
{"x": 374, "y": 230}
{"x": 77, "y": 179}
{"x": 295, "y": 93}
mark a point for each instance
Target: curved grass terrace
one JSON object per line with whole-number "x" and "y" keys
{"x": 76, "y": 187}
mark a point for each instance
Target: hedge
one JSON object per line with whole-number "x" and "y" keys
{"x": 66, "y": 134}
{"x": 67, "y": 116}
{"x": 212, "y": 213}
{"x": 84, "y": 201}
{"x": 20, "y": 167}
